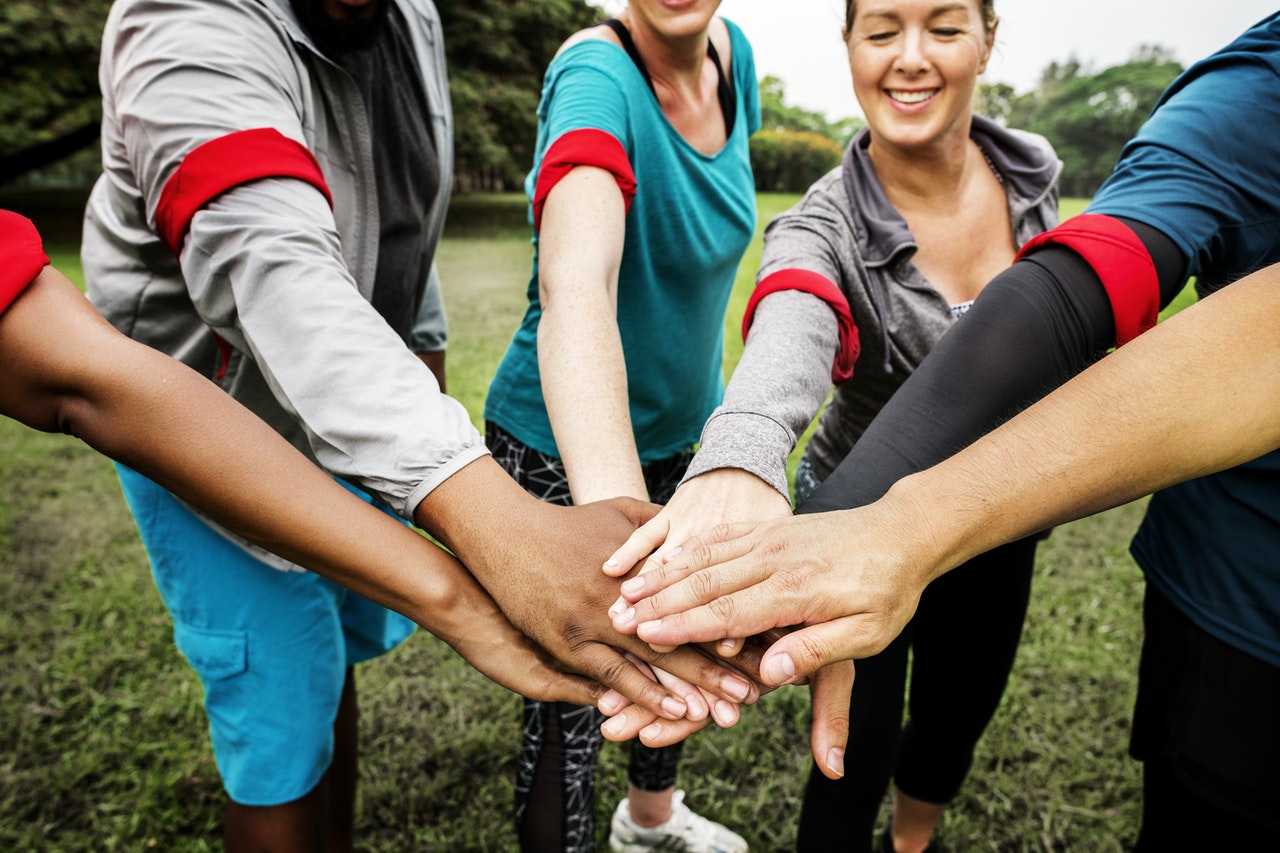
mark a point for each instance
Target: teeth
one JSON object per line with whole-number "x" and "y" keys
{"x": 912, "y": 97}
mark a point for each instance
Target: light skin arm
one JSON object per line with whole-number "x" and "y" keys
{"x": 1195, "y": 395}
{"x": 584, "y": 375}
{"x": 155, "y": 415}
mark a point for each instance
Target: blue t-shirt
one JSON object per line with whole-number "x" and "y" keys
{"x": 692, "y": 217}
{"x": 1205, "y": 170}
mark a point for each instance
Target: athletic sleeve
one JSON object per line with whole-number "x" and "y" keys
{"x": 1034, "y": 326}
{"x": 775, "y": 391}
{"x": 22, "y": 256}
{"x": 262, "y": 257}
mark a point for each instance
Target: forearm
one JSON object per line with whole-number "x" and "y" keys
{"x": 776, "y": 389}
{"x": 580, "y": 356}
{"x": 1195, "y": 395}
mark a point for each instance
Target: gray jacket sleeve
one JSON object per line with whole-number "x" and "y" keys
{"x": 279, "y": 291}
{"x": 775, "y": 391}
{"x": 264, "y": 263}
{"x": 431, "y": 329}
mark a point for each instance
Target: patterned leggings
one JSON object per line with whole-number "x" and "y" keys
{"x": 555, "y": 782}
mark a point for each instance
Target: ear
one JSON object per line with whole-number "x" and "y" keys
{"x": 989, "y": 43}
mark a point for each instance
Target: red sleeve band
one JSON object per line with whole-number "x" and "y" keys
{"x": 22, "y": 256}
{"x": 1120, "y": 259}
{"x": 826, "y": 290}
{"x": 586, "y": 147}
{"x": 225, "y": 163}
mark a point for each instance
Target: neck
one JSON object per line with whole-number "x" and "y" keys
{"x": 675, "y": 61}
{"x": 928, "y": 178}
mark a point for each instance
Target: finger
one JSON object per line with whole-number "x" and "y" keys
{"x": 696, "y": 704}
{"x": 661, "y": 733}
{"x": 737, "y": 614}
{"x": 724, "y": 542}
{"x": 611, "y": 668}
{"x": 801, "y": 653}
{"x": 830, "y": 688}
{"x": 728, "y": 647}
{"x": 553, "y": 686}
{"x": 639, "y": 545}
{"x": 693, "y": 665}
{"x": 627, "y": 723}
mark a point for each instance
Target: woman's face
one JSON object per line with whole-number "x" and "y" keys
{"x": 915, "y": 66}
{"x": 675, "y": 19}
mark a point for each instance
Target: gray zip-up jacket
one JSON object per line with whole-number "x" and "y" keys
{"x": 268, "y": 266}
{"x": 846, "y": 231}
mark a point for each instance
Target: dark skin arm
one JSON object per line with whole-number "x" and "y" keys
{"x": 153, "y": 414}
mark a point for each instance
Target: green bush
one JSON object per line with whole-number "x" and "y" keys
{"x": 790, "y": 160}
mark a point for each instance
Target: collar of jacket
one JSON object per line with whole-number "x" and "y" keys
{"x": 1028, "y": 171}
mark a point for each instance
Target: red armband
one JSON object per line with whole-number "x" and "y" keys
{"x": 224, "y": 163}
{"x": 586, "y": 147}
{"x": 826, "y": 290}
{"x": 1120, "y": 259}
{"x": 22, "y": 256}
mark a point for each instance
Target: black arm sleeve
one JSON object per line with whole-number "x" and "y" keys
{"x": 1036, "y": 325}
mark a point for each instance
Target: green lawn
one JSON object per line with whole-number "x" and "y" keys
{"x": 103, "y": 745}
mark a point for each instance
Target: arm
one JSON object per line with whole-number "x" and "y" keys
{"x": 1203, "y": 387}
{"x": 151, "y": 413}
{"x": 584, "y": 376}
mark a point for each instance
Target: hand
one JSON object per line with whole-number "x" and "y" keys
{"x": 852, "y": 579}
{"x": 830, "y": 688}
{"x": 540, "y": 563}
{"x": 708, "y": 500}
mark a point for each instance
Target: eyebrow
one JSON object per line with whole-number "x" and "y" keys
{"x": 892, "y": 14}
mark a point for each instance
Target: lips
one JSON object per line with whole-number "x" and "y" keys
{"x": 904, "y": 96}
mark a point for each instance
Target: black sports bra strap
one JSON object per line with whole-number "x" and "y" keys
{"x": 724, "y": 88}
{"x": 624, "y": 36}
{"x": 724, "y": 91}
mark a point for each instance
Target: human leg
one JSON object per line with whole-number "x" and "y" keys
{"x": 967, "y": 631}
{"x": 840, "y": 814}
{"x": 272, "y": 649}
{"x": 1204, "y": 729}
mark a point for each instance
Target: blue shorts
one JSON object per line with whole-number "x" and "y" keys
{"x": 271, "y": 647}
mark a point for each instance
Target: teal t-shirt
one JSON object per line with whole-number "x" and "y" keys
{"x": 692, "y": 217}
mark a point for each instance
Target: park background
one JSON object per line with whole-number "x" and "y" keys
{"x": 103, "y": 744}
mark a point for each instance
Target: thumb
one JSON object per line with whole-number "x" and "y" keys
{"x": 803, "y": 652}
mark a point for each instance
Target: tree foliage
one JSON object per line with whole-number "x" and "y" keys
{"x": 49, "y": 102}
{"x": 794, "y": 146}
{"x": 498, "y": 51}
{"x": 1087, "y": 116}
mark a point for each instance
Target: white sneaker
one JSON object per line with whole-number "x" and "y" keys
{"x": 685, "y": 832}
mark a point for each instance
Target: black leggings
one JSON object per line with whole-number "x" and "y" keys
{"x": 962, "y": 642}
{"x": 555, "y": 781}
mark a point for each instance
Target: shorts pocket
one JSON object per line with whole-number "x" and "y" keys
{"x": 215, "y": 655}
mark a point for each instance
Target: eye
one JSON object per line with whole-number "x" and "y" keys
{"x": 946, "y": 32}
{"x": 883, "y": 35}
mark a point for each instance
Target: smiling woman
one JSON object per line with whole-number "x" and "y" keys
{"x": 857, "y": 284}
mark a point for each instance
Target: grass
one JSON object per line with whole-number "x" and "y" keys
{"x": 103, "y": 744}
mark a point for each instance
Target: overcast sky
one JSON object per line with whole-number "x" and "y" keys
{"x": 799, "y": 40}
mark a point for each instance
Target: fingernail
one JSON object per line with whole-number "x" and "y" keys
{"x": 697, "y": 707}
{"x": 612, "y": 727}
{"x": 778, "y": 669}
{"x": 835, "y": 761}
{"x": 651, "y": 731}
{"x": 735, "y": 687}
{"x": 618, "y": 607}
{"x": 611, "y": 562}
{"x": 648, "y": 628}
{"x": 727, "y": 646}
{"x": 672, "y": 554}
{"x": 610, "y": 703}
{"x": 726, "y": 714}
{"x": 674, "y": 707}
{"x": 625, "y": 618}
{"x": 634, "y": 586}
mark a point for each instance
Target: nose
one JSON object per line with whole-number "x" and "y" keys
{"x": 912, "y": 58}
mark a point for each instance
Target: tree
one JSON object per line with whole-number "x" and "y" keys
{"x": 1087, "y": 116}
{"x": 498, "y": 51}
{"x": 49, "y": 101}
